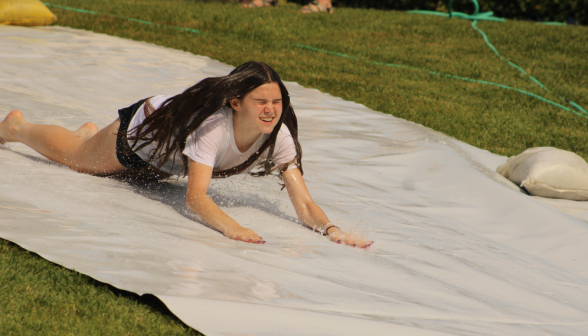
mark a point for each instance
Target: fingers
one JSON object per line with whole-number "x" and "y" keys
{"x": 248, "y": 239}
{"x": 357, "y": 242}
{"x": 351, "y": 240}
{"x": 245, "y": 235}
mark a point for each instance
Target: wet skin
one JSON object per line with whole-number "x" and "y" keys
{"x": 94, "y": 152}
{"x": 255, "y": 114}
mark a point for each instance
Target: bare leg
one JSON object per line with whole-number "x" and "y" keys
{"x": 86, "y": 131}
{"x": 85, "y": 151}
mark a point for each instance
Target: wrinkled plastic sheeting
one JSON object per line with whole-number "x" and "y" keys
{"x": 458, "y": 249}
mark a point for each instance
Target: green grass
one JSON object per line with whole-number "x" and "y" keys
{"x": 501, "y": 121}
{"x": 39, "y": 297}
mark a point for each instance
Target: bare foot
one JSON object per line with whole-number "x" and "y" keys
{"x": 10, "y": 125}
{"x": 318, "y": 6}
{"x": 87, "y": 131}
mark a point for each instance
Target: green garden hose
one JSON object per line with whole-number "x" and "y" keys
{"x": 488, "y": 16}
{"x": 476, "y": 16}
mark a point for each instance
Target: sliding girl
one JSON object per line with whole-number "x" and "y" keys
{"x": 240, "y": 123}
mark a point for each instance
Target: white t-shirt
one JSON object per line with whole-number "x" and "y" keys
{"x": 213, "y": 143}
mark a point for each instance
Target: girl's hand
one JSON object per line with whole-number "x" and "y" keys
{"x": 311, "y": 214}
{"x": 341, "y": 237}
{"x": 244, "y": 234}
{"x": 197, "y": 200}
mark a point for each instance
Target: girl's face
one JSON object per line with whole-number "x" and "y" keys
{"x": 260, "y": 109}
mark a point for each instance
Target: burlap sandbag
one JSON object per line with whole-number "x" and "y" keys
{"x": 25, "y": 13}
{"x": 549, "y": 172}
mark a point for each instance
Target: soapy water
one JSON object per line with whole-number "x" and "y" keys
{"x": 458, "y": 249}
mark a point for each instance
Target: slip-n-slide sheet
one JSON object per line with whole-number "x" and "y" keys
{"x": 458, "y": 250}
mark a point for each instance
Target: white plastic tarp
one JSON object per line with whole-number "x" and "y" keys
{"x": 458, "y": 249}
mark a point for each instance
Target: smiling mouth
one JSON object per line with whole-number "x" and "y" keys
{"x": 268, "y": 120}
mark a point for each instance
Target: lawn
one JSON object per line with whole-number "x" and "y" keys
{"x": 502, "y": 121}
{"x": 40, "y": 297}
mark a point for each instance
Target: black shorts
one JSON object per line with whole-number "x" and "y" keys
{"x": 124, "y": 152}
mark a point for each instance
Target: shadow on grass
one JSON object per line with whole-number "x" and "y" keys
{"x": 148, "y": 301}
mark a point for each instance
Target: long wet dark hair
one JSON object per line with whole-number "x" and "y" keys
{"x": 171, "y": 124}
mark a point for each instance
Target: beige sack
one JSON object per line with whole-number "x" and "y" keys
{"x": 549, "y": 172}
{"x": 25, "y": 13}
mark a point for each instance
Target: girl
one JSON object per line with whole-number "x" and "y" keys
{"x": 219, "y": 127}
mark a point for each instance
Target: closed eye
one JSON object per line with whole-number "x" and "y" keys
{"x": 263, "y": 101}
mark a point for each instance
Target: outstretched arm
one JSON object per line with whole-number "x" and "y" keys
{"x": 311, "y": 214}
{"x": 201, "y": 204}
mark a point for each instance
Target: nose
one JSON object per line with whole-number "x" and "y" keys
{"x": 269, "y": 107}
